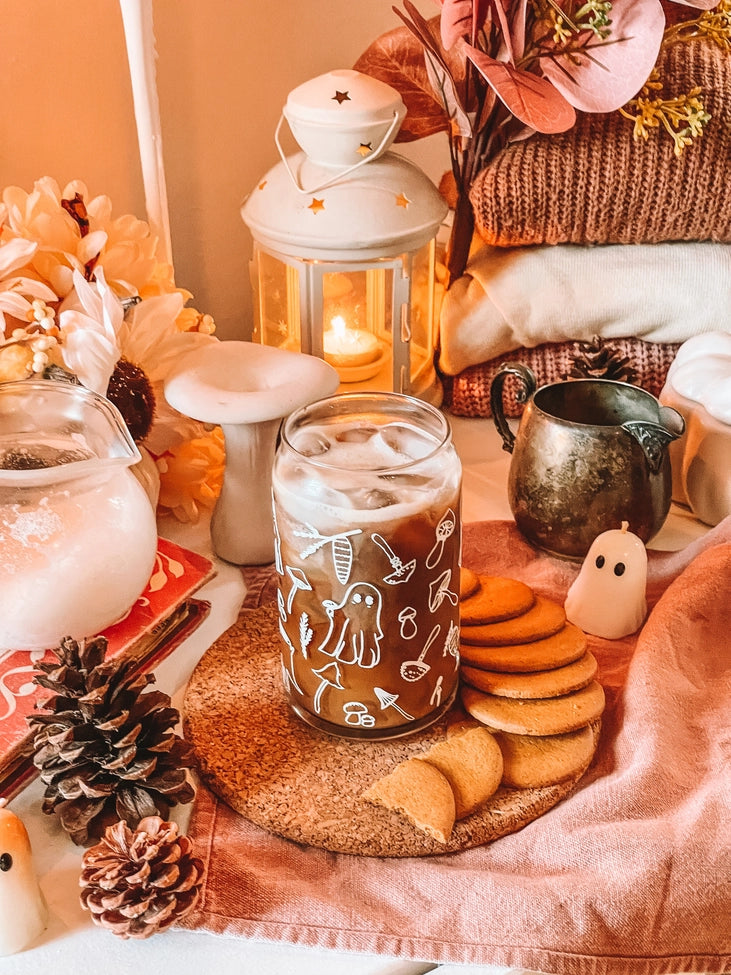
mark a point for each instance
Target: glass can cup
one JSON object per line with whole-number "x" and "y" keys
{"x": 366, "y": 496}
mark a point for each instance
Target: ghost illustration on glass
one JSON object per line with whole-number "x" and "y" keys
{"x": 23, "y": 912}
{"x": 608, "y": 597}
{"x": 355, "y": 633}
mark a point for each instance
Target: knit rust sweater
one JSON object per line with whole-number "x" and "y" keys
{"x": 596, "y": 184}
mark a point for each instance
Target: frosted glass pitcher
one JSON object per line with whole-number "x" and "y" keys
{"x": 78, "y": 534}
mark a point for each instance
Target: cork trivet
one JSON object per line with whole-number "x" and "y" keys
{"x": 307, "y": 786}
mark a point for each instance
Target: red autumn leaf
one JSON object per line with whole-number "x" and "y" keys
{"x": 606, "y": 74}
{"x": 502, "y": 18}
{"x": 461, "y": 18}
{"x": 531, "y": 99}
{"x": 455, "y": 21}
{"x": 397, "y": 58}
{"x": 517, "y": 13}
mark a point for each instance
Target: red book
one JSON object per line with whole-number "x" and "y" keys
{"x": 163, "y": 616}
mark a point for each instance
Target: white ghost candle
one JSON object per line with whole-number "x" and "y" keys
{"x": 23, "y": 912}
{"x": 608, "y": 597}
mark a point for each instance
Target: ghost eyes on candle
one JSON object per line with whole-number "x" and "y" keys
{"x": 599, "y": 562}
{"x": 6, "y": 862}
{"x": 619, "y": 569}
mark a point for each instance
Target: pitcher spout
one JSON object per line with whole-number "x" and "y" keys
{"x": 654, "y": 438}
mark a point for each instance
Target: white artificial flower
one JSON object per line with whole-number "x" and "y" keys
{"x": 17, "y": 292}
{"x": 95, "y": 335}
{"x": 89, "y": 320}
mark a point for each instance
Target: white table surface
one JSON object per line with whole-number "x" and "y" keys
{"x": 72, "y": 943}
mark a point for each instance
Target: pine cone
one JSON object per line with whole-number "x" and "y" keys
{"x": 138, "y": 883}
{"x": 103, "y": 748}
{"x": 595, "y": 360}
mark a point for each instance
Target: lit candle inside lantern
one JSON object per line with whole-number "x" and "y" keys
{"x": 347, "y": 347}
{"x": 608, "y": 597}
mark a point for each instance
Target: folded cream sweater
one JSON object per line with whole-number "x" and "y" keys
{"x": 517, "y": 297}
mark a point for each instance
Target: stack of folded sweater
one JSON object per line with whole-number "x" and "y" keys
{"x": 596, "y": 234}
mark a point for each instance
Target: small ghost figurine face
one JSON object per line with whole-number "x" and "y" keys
{"x": 23, "y": 912}
{"x": 608, "y": 597}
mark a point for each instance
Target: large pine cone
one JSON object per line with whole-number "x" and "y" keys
{"x": 138, "y": 883}
{"x": 103, "y": 748}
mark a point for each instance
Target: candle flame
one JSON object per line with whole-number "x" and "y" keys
{"x": 338, "y": 326}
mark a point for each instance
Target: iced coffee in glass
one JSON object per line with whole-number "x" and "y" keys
{"x": 367, "y": 527}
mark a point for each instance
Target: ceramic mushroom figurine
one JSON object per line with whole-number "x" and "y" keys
{"x": 608, "y": 597}
{"x": 247, "y": 389}
{"x": 23, "y": 912}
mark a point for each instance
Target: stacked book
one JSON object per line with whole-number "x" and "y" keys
{"x": 164, "y": 615}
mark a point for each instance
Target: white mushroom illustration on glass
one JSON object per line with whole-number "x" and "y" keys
{"x": 330, "y": 676}
{"x": 387, "y": 699}
{"x": 407, "y": 619}
{"x": 439, "y": 591}
{"x": 299, "y": 581}
{"x": 445, "y": 530}
{"x": 402, "y": 571}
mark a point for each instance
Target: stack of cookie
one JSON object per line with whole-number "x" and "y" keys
{"x": 528, "y": 687}
{"x": 528, "y": 676}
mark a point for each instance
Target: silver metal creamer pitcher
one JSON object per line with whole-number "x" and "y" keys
{"x": 588, "y": 455}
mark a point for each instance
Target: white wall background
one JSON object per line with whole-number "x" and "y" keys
{"x": 224, "y": 69}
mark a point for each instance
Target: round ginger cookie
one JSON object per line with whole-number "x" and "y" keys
{"x": 472, "y": 763}
{"x": 469, "y": 582}
{"x": 419, "y": 791}
{"x": 558, "y": 650}
{"x": 535, "y": 761}
{"x": 546, "y": 716}
{"x": 543, "y": 619}
{"x": 496, "y": 599}
{"x": 538, "y": 684}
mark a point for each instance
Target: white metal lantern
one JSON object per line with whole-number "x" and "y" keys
{"x": 345, "y": 240}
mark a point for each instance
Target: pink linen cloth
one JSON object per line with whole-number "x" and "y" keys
{"x": 629, "y": 875}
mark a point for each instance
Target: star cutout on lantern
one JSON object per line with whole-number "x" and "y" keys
{"x": 402, "y": 200}
{"x": 317, "y": 205}
{"x": 364, "y": 149}
{"x": 340, "y": 97}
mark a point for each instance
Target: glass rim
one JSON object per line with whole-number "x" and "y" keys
{"x": 384, "y": 396}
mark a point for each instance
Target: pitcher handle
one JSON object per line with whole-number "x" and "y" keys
{"x": 528, "y": 387}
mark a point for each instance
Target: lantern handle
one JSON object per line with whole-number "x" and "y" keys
{"x": 345, "y": 172}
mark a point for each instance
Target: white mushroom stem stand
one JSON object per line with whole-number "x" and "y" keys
{"x": 247, "y": 389}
